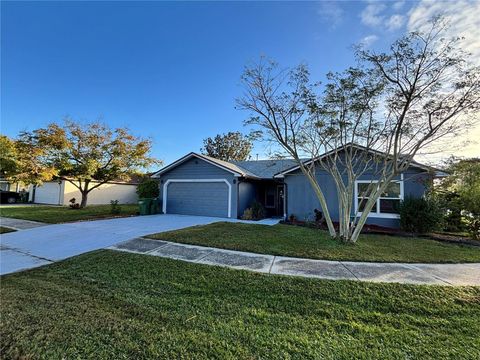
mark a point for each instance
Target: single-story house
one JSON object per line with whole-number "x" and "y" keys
{"x": 201, "y": 185}
{"x": 62, "y": 191}
{"x": 6, "y": 185}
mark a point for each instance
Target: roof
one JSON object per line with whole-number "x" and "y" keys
{"x": 225, "y": 165}
{"x": 266, "y": 169}
{"x": 438, "y": 172}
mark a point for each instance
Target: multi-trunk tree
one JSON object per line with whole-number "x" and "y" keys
{"x": 370, "y": 121}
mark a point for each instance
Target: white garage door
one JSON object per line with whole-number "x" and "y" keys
{"x": 48, "y": 193}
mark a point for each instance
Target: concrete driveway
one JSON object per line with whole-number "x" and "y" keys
{"x": 42, "y": 245}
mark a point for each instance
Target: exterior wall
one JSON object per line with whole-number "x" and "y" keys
{"x": 197, "y": 169}
{"x": 301, "y": 200}
{"x": 124, "y": 193}
{"x": 247, "y": 193}
{"x": 54, "y": 193}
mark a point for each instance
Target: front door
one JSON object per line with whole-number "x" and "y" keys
{"x": 280, "y": 200}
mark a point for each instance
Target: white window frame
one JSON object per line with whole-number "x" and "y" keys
{"x": 169, "y": 181}
{"x": 378, "y": 214}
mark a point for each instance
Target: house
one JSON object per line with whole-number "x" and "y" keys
{"x": 6, "y": 185}
{"x": 62, "y": 191}
{"x": 200, "y": 185}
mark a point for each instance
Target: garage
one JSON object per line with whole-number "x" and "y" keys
{"x": 197, "y": 197}
{"x": 48, "y": 193}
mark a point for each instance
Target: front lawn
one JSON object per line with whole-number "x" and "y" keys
{"x": 4, "y": 230}
{"x": 60, "y": 214}
{"x": 295, "y": 241}
{"x": 112, "y": 305}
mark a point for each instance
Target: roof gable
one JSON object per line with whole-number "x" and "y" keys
{"x": 224, "y": 165}
{"x": 413, "y": 163}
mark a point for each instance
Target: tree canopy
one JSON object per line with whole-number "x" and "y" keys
{"x": 232, "y": 146}
{"x": 373, "y": 118}
{"x": 87, "y": 155}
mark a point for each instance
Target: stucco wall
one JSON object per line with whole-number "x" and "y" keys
{"x": 194, "y": 169}
{"x": 124, "y": 193}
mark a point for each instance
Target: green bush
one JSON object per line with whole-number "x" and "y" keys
{"x": 420, "y": 215}
{"x": 115, "y": 208}
{"x": 258, "y": 211}
{"x": 473, "y": 225}
{"x": 247, "y": 214}
{"x": 148, "y": 189}
{"x": 254, "y": 212}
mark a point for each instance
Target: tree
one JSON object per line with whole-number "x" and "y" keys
{"x": 8, "y": 156}
{"x": 370, "y": 120}
{"x": 233, "y": 146}
{"x": 88, "y": 155}
{"x": 460, "y": 191}
{"x": 18, "y": 161}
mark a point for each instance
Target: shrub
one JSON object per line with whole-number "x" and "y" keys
{"x": 74, "y": 204}
{"x": 248, "y": 214}
{"x": 258, "y": 211}
{"x": 114, "y": 207}
{"x": 420, "y": 215}
{"x": 473, "y": 225}
{"x": 254, "y": 212}
{"x": 148, "y": 189}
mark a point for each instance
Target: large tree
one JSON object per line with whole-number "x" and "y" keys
{"x": 371, "y": 120}
{"x": 88, "y": 155}
{"x": 233, "y": 146}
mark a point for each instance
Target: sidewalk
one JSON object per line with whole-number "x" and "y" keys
{"x": 428, "y": 274}
{"x": 19, "y": 224}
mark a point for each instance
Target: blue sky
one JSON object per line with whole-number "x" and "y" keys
{"x": 168, "y": 70}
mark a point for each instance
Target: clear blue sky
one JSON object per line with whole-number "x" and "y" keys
{"x": 166, "y": 70}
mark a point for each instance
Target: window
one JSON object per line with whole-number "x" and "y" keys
{"x": 386, "y": 205}
{"x": 270, "y": 198}
{"x": 4, "y": 186}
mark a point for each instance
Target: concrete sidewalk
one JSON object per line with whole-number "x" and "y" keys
{"x": 429, "y": 274}
{"x": 19, "y": 224}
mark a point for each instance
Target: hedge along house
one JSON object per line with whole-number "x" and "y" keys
{"x": 200, "y": 185}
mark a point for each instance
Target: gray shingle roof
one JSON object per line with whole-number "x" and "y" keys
{"x": 230, "y": 165}
{"x": 265, "y": 169}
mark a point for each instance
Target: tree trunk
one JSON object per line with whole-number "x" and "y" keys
{"x": 84, "y": 199}
{"x": 372, "y": 200}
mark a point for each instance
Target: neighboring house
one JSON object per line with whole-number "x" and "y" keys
{"x": 6, "y": 185}
{"x": 60, "y": 192}
{"x": 200, "y": 185}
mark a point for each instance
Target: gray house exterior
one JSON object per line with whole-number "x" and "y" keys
{"x": 200, "y": 185}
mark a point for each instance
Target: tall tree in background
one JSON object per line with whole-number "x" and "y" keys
{"x": 88, "y": 155}
{"x": 372, "y": 119}
{"x": 233, "y": 146}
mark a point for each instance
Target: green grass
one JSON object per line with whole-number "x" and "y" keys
{"x": 295, "y": 241}
{"x": 4, "y": 230}
{"x": 113, "y": 305}
{"x": 60, "y": 214}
